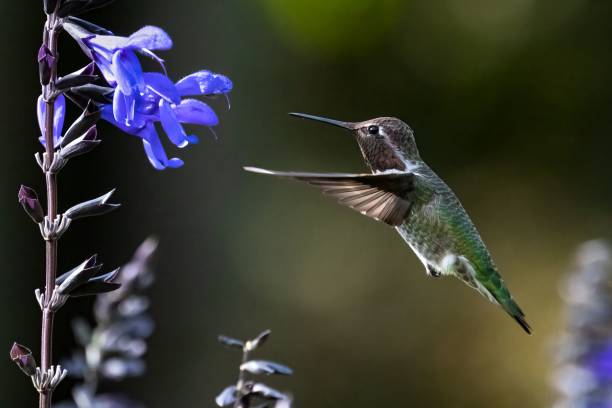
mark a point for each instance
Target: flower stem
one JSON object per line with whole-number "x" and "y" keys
{"x": 241, "y": 379}
{"x": 50, "y": 39}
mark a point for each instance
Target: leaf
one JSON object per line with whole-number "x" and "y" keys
{"x": 227, "y": 397}
{"x": 265, "y": 367}
{"x": 258, "y": 341}
{"x": 264, "y": 391}
{"x": 231, "y": 342}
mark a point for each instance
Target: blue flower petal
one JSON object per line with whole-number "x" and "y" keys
{"x": 40, "y": 113}
{"x": 195, "y": 112}
{"x": 128, "y": 72}
{"x": 59, "y": 113}
{"x": 150, "y": 38}
{"x": 59, "y": 116}
{"x": 110, "y": 43}
{"x": 132, "y": 128}
{"x": 119, "y": 107}
{"x": 124, "y": 109}
{"x": 155, "y": 151}
{"x": 204, "y": 83}
{"x": 172, "y": 127}
{"x": 106, "y": 68}
{"x": 161, "y": 85}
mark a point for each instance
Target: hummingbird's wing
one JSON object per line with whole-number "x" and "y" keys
{"x": 384, "y": 197}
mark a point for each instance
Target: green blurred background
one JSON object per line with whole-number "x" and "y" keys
{"x": 510, "y": 101}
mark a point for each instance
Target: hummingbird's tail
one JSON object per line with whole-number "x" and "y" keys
{"x": 519, "y": 316}
{"x": 513, "y": 309}
{"x": 495, "y": 287}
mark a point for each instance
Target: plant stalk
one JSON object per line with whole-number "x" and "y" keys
{"x": 241, "y": 380}
{"x": 50, "y": 40}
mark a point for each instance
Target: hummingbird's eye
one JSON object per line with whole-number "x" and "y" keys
{"x": 373, "y": 129}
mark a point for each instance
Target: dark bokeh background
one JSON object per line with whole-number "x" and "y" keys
{"x": 510, "y": 102}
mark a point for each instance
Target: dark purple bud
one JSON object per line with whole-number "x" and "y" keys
{"x": 77, "y": 276}
{"x": 231, "y": 342}
{"x": 265, "y": 367}
{"x": 93, "y": 288}
{"x": 258, "y": 341}
{"x": 45, "y": 62}
{"x": 108, "y": 277}
{"x": 96, "y": 93}
{"x": 227, "y": 397}
{"x": 96, "y": 285}
{"x": 81, "y": 145}
{"x": 83, "y": 76}
{"x": 29, "y": 201}
{"x": 49, "y": 6}
{"x": 89, "y": 117}
{"x": 74, "y": 80}
{"x": 78, "y": 100}
{"x": 97, "y": 206}
{"x": 22, "y": 356}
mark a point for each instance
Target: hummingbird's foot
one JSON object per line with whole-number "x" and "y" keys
{"x": 431, "y": 271}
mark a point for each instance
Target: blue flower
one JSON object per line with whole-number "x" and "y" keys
{"x": 600, "y": 363}
{"x": 59, "y": 112}
{"x": 141, "y": 99}
{"x": 161, "y": 101}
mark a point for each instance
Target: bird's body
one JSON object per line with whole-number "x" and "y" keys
{"x": 442, "y": 235}
{"x": 404, "y": 192}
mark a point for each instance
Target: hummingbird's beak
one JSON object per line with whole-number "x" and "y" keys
{"x": 344, "y": 125}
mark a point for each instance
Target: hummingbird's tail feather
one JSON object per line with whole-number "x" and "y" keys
{"x": 512, "y": 308}
{"x": 489, "y": 283}
{"x": 520, "y": 319}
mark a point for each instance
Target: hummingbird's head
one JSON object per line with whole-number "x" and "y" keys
{"x": 386, "y": 143}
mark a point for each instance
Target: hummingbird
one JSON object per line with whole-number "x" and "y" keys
{"x": 403, "y": 192}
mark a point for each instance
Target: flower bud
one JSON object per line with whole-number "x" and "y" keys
{"x": 29, "y": 201}
{"x": 89, "y": 117}
{"x": 45, "y": 61}
{"x": 22, "y": 356}
{"x": 97, "y": 206}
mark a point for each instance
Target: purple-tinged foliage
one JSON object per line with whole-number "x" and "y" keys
{"x": 583, "y": 373}
{"x": 114, "y": 348}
